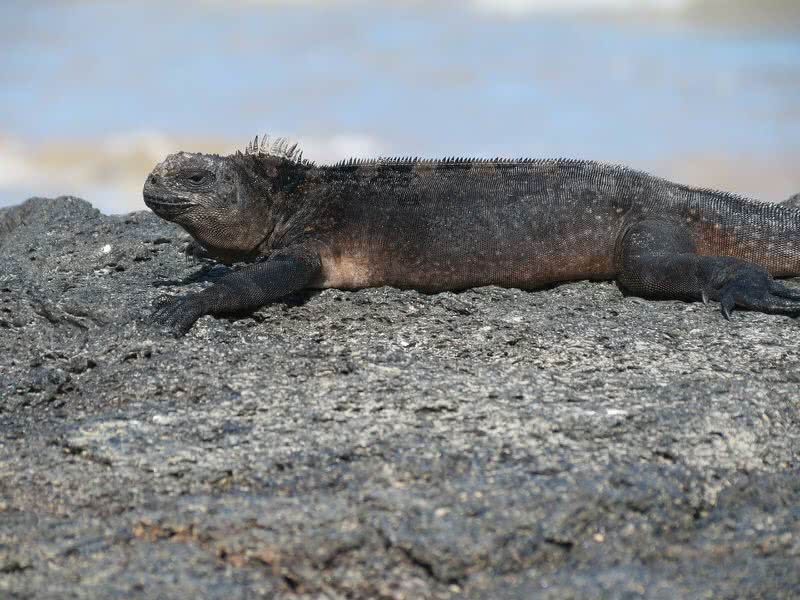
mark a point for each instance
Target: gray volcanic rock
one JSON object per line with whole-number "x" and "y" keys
{"x": 794, "y": 201}
{"x": 568, "y": 443}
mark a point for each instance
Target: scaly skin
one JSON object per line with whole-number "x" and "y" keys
{"x": 458, "y": 223}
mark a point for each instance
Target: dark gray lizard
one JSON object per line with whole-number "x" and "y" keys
{"x": 452, "y": 224}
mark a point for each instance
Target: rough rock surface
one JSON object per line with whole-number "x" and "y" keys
{"x": 568, "y": 443}
{"x": 794, "y": 201}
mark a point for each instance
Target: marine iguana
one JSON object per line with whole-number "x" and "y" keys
{"x": 458, "y": 223}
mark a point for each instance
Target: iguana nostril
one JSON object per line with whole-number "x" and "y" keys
{"x": 153, "y": 179}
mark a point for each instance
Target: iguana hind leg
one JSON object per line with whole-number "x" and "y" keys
{"x": 657, "y": 260}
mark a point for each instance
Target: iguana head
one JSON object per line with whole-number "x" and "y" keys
{"x": 227, "y": 203}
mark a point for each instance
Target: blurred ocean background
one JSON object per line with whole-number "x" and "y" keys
{"x": 93, "y": 93}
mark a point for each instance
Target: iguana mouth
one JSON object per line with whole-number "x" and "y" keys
{"x": 165, "y": 205}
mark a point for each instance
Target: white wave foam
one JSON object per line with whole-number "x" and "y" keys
{"x": 109, "y": 172}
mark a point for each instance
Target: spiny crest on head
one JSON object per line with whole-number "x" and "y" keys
{"x": 277, "y": 148}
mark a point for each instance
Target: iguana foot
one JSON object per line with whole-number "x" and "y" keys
{"x": 735, "y": 283}
{"x": 179, "y": 314}
{"x": 195, "y": 251}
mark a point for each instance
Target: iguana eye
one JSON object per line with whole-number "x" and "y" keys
{"x": 198, "y": 177}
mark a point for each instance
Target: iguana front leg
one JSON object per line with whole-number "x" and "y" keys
{"x": 657, "y": 260}
{"x": 195, "y": 250}
{"x": 245, "y": 290}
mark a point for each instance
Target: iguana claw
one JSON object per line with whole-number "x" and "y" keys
{"x": 179, "y": 314}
